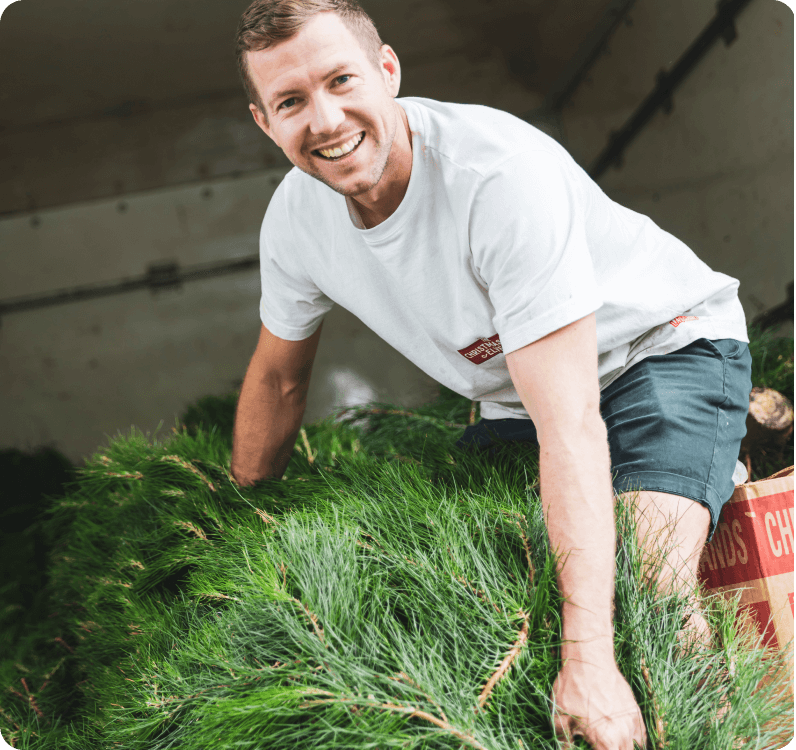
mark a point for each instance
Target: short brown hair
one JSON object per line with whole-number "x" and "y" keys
{"x": 268, "y": 22}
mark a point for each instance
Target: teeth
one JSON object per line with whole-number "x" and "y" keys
{"x": 333, "y": 153}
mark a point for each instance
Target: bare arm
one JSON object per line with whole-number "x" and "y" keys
{"x": 271, "y": 406}
{"x": 557, "y": 380}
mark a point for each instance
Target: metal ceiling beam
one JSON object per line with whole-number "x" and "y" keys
{"x": 547, "y": 117}
{"x": 721, "y": 27}
{"x": 159, "y": 276}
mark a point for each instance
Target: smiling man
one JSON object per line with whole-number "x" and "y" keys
{"x": 477, "y": 247}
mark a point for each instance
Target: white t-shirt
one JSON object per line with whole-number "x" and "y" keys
{"x": 500, "y": 239}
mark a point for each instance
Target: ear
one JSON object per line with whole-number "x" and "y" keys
{"x": 261, "y": 120}
{"x": 390, "y": 69}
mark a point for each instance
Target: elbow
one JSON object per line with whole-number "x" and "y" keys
{"x": 570, "y": 429}
{"x": 296, "y": 385}
{"x": 294, "y": 393}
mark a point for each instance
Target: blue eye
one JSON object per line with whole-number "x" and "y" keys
{"x": 346, "y": 76}
{"x": 286, "y": 103}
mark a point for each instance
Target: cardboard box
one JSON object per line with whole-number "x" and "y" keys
{"x": 752, "y": 550}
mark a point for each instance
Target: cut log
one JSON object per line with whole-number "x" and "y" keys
{"x": 769, "y": 422}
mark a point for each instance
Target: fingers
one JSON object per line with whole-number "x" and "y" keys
{"x": 596, "y": 703}
{"x": 640, "y": 735}
{"x": 615, "y": 738}
{"x": 563, "y": 730}
{"x": 566, "y": 739}
{"x": 608, "y": 734}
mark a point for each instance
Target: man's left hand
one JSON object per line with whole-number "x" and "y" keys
{"x": 595, "y": 702}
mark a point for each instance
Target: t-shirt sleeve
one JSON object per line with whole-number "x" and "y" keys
{"x": 291, "y": 305}
{"x": 528, "y": 238}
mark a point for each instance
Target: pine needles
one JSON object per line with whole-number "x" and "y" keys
{"x": 391, "y": 592}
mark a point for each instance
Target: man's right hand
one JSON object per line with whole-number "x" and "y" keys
{"x": 594, "y": 701}
{"x": 239, "y": 481}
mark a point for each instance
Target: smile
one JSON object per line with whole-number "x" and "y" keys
{"x": 335, "y": 154}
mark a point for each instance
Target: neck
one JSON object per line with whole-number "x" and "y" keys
{"x": 378, "y": 204}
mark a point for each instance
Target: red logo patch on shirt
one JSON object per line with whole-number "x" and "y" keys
{"x": 682, "y": 319}
{"x": 480, "y": 351}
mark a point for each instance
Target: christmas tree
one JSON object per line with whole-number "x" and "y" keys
{"x": 390, "y": 591}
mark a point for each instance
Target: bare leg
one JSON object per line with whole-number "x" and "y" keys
{"x": 678, "y": 527}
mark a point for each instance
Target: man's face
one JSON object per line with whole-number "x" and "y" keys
{"x": 328, "y": 108}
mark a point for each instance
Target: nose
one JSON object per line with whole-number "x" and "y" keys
{"x": 326, "y": 114}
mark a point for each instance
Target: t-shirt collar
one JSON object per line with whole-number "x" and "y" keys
{"x": 394, "y": 222}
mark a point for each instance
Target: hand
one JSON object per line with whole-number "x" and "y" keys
{"x": 239, "y": 480}
{"x": 595, "y": 702}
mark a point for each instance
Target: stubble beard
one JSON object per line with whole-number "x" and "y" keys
{"x": 379, "y": 167}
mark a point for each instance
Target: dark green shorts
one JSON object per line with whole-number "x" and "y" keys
{"x": 675, "y": 423}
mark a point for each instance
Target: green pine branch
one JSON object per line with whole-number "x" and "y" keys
{"x": 391, "y": 591}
